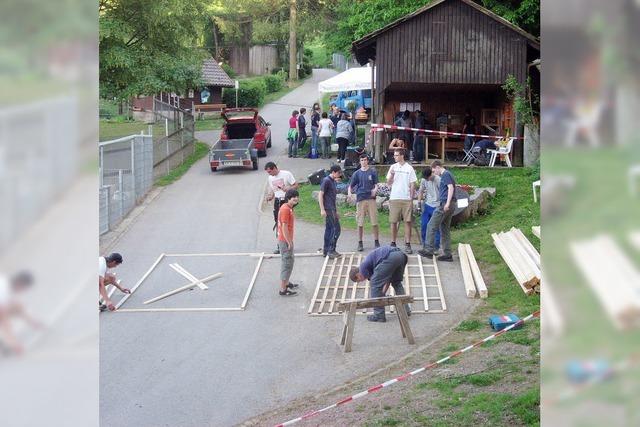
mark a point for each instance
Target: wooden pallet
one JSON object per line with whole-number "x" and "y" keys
{"x": 421, "y": 280}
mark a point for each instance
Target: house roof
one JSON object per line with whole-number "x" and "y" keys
{"x": 214, "y": 75}
{"x": 370, "y": 38}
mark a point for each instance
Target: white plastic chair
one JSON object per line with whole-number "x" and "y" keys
{"x": 468, "y": 154}
{"x": 503, "y": 151}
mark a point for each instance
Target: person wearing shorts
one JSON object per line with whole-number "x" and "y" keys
{"x": 364, "y": 182}
{"x": 286, "y": 220}
{"x": 402, "y": 179}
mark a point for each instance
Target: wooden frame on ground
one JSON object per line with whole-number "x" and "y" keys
{"x": 334, "y": 286}
{"x": 242, "y": 307}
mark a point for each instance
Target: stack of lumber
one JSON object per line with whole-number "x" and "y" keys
{"x": 473, "y": 281}
{"x": 551, "y": 322}
{"x": 613, "y": 278}
{"x": 521, "y": 257}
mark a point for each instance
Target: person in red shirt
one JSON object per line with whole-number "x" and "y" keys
{"x": 286, "y": 220}
{"x": 292, "y": 135}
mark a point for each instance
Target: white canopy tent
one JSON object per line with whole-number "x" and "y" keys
{"x": 351, "y": 79}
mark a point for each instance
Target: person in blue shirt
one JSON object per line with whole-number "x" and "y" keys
{"x": 384, "y": 266}
{"x": 364, "y": 182}
{"x": 329, "y": 211}
{"x": 441, "y": 217}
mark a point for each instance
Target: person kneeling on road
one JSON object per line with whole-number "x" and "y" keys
{"x": 286, "y": 220}
{"x": 384, "y": 266}
{"x": 106, "y": 278}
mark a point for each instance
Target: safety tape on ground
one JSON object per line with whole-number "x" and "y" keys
{"x": 409, "y": 374}
{"x": 378, "y": 128}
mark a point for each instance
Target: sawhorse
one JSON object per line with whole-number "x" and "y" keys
{"x": 350, "y": 307}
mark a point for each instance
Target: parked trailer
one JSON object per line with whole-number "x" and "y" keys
{"x": 233, "y": 153}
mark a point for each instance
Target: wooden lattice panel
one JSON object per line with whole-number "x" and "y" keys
{"x": 421, "y": 280}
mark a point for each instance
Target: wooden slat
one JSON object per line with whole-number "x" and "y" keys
{"x": 326, "y": 289}
{"x": 475, "y": 271}
{"x": 318, "y": 284}
{"x": 142, "y": 279}
{"x": 442, "y": 301}
{"x": 253, "y": 281}
{"x": 424, "y": 285}
{"x": 345, "y": 284}
{"x": 526, "y": 244}
{"x": 338, "y": 280}
{"x": 467, "y": 277}
{"x": 183, "y": 288}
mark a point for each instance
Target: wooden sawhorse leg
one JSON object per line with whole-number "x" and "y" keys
{"x": 349, "y": 319}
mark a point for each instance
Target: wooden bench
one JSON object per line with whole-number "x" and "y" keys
{"x": 200, "y": 109}
{"x": 350, "y": 307}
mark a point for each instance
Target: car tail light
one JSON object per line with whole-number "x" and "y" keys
{"x": 215, "y": 163}
{"x": 258, "y": 137}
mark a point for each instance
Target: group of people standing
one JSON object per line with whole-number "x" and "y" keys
{"x": 325, "y": 129}
{"x": 436, "y": 190}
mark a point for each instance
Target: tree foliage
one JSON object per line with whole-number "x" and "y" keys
{"x": 147, "y": 46}
{"x": 349, "y": 20}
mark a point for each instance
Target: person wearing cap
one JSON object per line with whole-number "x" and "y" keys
{"x": 105, "y": 277}
{"x": 383, "y": 267}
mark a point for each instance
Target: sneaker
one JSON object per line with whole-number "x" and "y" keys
{"x": 360, "y": 247}
{"x": 408, "y": 310}
{"x": 392, "y": 244}
{"x": 102, "y": 307}
{"x": 292, "y": 285}
{"x": 425, "y": 253}
{"x": 277, "y": 251}
{"x": 407, "y": 248}
{"x": 375, "y": 318}
{"x": 287, "y": 293}
{"x": 445, "y": 258}
{"x": 376, "y": 244}
{"x": 334, "y": 254}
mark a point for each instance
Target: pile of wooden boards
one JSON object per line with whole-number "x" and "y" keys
{"x": 471, "y": 272}
{"x": 521, "y": 257}
{"x": 612, "y": 276}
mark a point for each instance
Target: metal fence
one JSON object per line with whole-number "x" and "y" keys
{"x": 38, "y": 160}
{"x": 130, "y": 165}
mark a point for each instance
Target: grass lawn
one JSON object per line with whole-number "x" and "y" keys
{"x": 462, "y": 399}
{"x": 209, "y": 124}
{"x": 200, "y": 150}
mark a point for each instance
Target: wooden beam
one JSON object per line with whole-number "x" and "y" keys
{"x": 467, "y": 277}
{"x": 439, "y": 283}
{"x": 526, "y": 244}
{"x": 184, "y": 273}
{"x": 506, "y": 256}
{"x": 182, "y": 288}
{"x": 424, "y": 285}
{"x": 536, "y": 231}
{"x": 142, "y": 279}
{"x": 376, "y": 302}
{"x": 318, "y": 284}
{"x": 475, "y": 272}
{"x": 253, "y": 281}
{"x": 159, "y": 310}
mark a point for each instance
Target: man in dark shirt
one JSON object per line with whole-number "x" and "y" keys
{"x": 302, "y": 128}
{"x": 327, "y": 201}
{"x": 469, "y": 127}
{"x": 441, "y": 218}
{"x": 384, "y": 266}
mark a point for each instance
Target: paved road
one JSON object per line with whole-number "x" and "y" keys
{"x": 218, "y": 369}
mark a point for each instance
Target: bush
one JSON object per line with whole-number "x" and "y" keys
{"x": 273, "y": 83}
{"x": 250, "y": 94}
{"x": 229, "y": 70}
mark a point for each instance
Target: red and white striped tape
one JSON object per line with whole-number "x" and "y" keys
{"x": 378, "y": 127}
{"x": 409, "y": 374}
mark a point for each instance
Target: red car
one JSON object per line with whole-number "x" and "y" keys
{"x": 246, "y": 123}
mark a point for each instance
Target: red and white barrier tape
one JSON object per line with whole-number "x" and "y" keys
{"x": 379, "y": 128}
{"x": 409, "y": 374}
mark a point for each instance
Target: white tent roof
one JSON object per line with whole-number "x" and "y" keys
{"x": 351, "y": 79}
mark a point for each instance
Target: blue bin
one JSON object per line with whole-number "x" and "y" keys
{"x": 500, "y": 322}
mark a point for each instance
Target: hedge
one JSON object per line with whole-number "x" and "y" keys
{"x": 250, "y": 94}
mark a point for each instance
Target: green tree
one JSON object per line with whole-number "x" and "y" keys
{"x": 348, "y": 20}
{"x": 146, "y": 46}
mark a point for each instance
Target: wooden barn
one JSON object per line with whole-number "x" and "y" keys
{"x": 445, "y": 58}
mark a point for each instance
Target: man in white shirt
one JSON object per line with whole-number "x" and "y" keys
{"x": 402, "y": 179}
{"x": 279, "y": 181}
{"x": 106, "y": 278}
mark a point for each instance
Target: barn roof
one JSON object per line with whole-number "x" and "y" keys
{"x": 361, "y": 44}
{"x": 214, "y": 75}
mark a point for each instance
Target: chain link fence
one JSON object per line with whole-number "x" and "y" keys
{"x": 130, "y": 165}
